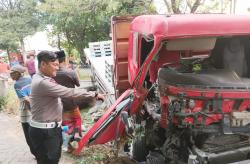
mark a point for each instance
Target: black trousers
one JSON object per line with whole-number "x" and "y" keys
{"x": 26, "y": 127}
{"x": 47, "y": 144}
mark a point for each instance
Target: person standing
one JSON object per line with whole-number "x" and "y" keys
{"x": 14, "y": 61}
{"x": 72, "y": 64}
{"x": 46, "y": 108}
{"x": 30, "y": 64}
{"x": 22, "y": 88}
{"x": 4, "y": 67}
{"x": 71, "y": 113}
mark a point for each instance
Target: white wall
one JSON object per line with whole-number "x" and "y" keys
{"x": 38, "y": 42}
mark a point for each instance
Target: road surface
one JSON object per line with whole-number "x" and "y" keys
{"x": 13, "y": 148}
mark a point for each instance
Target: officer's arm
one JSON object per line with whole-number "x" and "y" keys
{"x": 51, "y": 88}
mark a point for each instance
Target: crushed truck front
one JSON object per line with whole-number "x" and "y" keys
{"x": 185, "y": 92}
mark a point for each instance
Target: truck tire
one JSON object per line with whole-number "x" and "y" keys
{"x": 139, "y": 149}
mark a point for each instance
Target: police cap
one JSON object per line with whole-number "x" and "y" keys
{"x": 46, "y": 56}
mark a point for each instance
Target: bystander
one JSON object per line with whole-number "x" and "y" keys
{"x": 4, "y": 67}
{"x": 22, "y": 88}
{"x": 30, "y": 64}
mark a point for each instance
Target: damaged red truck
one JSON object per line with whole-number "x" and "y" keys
{"x": 186, "y": 95}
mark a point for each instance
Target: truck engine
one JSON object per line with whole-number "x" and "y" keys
{"x": 195, "y": 113}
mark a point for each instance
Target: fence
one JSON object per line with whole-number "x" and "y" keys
{"x": 99, "y": 49}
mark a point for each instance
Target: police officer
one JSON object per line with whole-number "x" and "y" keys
{"x": 46, "y": 109}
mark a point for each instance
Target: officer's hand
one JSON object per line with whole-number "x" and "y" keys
{"x": 100, "y": 97}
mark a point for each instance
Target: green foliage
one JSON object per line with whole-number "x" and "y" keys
{"x": 78, "y": 21}
{"x": 81, "y": 22}
{"x": 83, "y": 75}
{"x": 93, "y": 157}
{"x": 3, "y": 102}
{"x": 8, "y": 40}
{"x": 131, "y": 7}
{"x": 18, "y": 19}
{"x": 12, "y": 104}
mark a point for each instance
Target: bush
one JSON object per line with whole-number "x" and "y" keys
{"x": 3, "y": 102}
{"x": 12, "y": 102}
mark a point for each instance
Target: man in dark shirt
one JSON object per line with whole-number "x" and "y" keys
{"x": 71, "y": 113}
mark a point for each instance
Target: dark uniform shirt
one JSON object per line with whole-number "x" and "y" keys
{"x": 67, "y": 78}
{"x": 46, "y": 94}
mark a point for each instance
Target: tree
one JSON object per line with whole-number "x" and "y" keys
{"x": 75, "y": 20}
{"x": 8, "y": 41}
{"x": 196, "y": 6}
{"x": 19, "y": 18}
{"x": 131, "y": 7}
{"x": 81, "y": 22}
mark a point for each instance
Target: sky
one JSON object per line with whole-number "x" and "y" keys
{"x": 241, "y": 6}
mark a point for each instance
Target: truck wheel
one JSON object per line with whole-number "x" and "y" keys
{"x": 139, "y": 149}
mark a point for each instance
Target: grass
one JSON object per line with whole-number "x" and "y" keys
{"x": 84, "y": 74}
{"x": 95, "y": 154}
{"x": 86, "y": 118}
{"x": 3, "y": 102}
{"x": 12, "y": 102}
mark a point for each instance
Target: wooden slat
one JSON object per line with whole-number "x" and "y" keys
{"x": 120, "y": 35}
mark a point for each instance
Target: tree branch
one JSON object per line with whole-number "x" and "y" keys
{"x": 168, "y": 6}
{"x": 175, "y": 7}
{"x": 195, "y": 6}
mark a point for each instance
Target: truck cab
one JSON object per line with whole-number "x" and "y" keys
{"x": 185, "y": 94}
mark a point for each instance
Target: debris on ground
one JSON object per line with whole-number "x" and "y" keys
{"x": 98, "y": 110}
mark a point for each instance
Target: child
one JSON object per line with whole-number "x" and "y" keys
{"x": 22, "y": 88}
